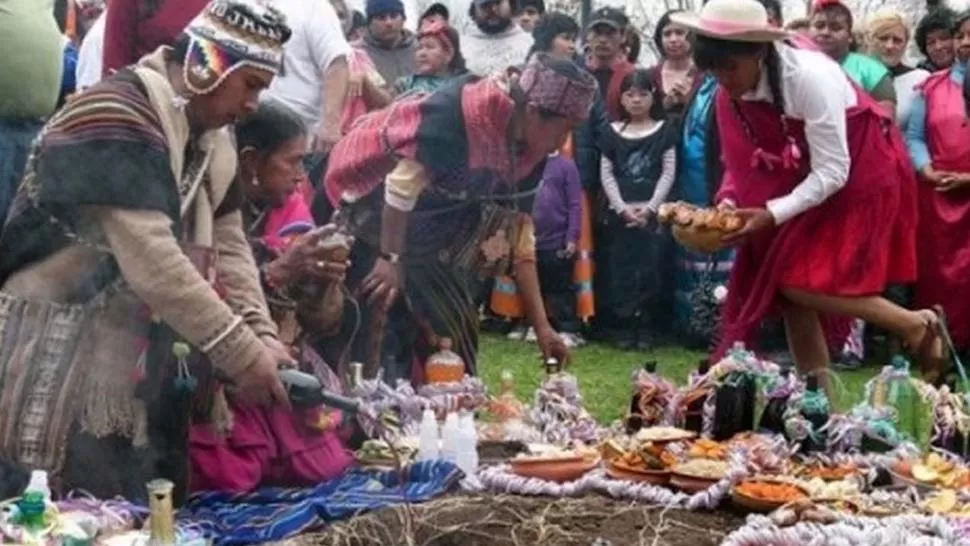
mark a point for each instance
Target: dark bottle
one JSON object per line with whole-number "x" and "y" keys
{"x": 815, "y": 409}
{"x": 694, "y": 412}
{"x": 773, "y": 416}
{"x": 734, "y": 401}
{"x": 306, "y": 391}
{"x": 636, "y": 422}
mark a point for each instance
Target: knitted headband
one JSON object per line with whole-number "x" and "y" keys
{"x": 553, "y": 90}
{"x": 437, "y": 30}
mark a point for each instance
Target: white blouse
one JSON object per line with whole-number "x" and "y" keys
{"x": 816, "y": 91}
{"x": 905, "y": 86}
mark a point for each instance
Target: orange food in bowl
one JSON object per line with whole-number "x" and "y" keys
{"x": 771, "y": 491}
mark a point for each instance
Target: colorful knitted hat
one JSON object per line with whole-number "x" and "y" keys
{"x": 558, "y": 86}
{"x": 229, "y": 34}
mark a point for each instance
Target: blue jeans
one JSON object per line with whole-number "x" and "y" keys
{"x": 16, "y": 136}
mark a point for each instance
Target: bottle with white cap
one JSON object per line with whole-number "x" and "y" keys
{"x": 428, "y": 448}
{"x": 39, "y": 484}
{"x": 468, "y": 444}
{"x": 450, "y": 439}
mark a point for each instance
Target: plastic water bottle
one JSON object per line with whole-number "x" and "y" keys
{"x": 428, "y": 448}
{"x": 450, "y": 439}
{"x": 38, "y": 484}
{"x": 468, "y": 444}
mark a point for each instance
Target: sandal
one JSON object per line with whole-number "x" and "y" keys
{"x": 932, "y": 366}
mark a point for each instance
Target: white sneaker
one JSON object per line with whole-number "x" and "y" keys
{"x": 517, "y": 334}
{"x": 572, "y": 341}
{"x": 530, "y": 336}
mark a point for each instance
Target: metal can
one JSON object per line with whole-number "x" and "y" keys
{"x": 162, "y": 514}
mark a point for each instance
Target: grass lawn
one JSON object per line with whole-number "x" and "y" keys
{"x": 604, "y": 373}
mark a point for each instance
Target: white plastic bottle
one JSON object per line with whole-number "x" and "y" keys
{"x": 38, "y": 483}
{"x": 450, "y": 439}
{"x": 468, "y": 451}
{"x": 428, "y": 448}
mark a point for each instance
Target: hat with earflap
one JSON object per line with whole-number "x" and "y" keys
{"x": 230, "y": 34}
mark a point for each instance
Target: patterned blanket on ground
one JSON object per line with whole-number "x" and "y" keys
{"x": 275, "y": 513}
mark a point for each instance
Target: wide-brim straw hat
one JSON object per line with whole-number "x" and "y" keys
{"x": 736, "y": 20}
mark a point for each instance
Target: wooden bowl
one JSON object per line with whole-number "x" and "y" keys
{"x": 619, "y": 471}
{"x": 702, "y": 240}
{"x": 553, "y": 470}
{"x": 758, "y": 505}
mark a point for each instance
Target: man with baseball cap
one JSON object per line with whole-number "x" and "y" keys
{"x": 607, "y": 61}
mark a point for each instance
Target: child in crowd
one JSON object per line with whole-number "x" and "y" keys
{"x": 637, "y": 171}
{"x": 557, "y": 214}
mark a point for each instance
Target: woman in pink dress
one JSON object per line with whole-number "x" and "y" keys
{"x": 819, "y": 173}
{"x": 275, "y": 445}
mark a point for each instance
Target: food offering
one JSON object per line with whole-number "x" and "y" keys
{"x": 611, "y": 449}
{"x": 659, "y": 435}
{"x": 806, "y": 511}
{"x": 931, "y": 472}
{"x": 945, "y": 502}
{"x": 697, "y": 475}
{"x": 827, "y": 473}
{"x": 700, "y": 229}
{"x": 707, "y": 449}
{"x": 379, "y": 455}
{"x": 553, "y": 464}
{"x": 648, "y": 463}
{"x": 842, "y": 489}
{"x": 766, "y": 494}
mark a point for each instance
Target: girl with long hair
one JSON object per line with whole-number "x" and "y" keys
{"x": 637, "y": 171}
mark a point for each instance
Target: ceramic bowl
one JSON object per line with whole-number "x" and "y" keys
{"x": 691, "y": 484}
{"x": 619, "y": 471}
{"x": 758, "y": 505}
{"x": 904, "y": 481}
{"x": 553, "y": 470}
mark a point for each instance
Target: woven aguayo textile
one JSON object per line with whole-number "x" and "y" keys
{"x": 275, "y": 514}
{"x": 86, "y": 390}
{"x": 46, "y": 347}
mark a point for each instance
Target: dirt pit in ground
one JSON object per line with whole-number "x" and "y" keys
{"x": 525, "y": 521}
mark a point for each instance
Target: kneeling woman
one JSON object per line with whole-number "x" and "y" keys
{"x": 301, "y": 276}
{"x": 818, "y": 172}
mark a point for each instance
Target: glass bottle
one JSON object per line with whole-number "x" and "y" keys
{"x": 445, "y": 366}
{"x": 773, "y": 416}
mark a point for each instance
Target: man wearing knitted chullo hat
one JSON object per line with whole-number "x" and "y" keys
{"x": 130, "y": 190}
{"x": 439, "y": 190}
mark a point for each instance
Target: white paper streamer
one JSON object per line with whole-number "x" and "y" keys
{"x": 850, "y": 531}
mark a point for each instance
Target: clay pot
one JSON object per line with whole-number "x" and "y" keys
{"x": 553, "y": 470}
